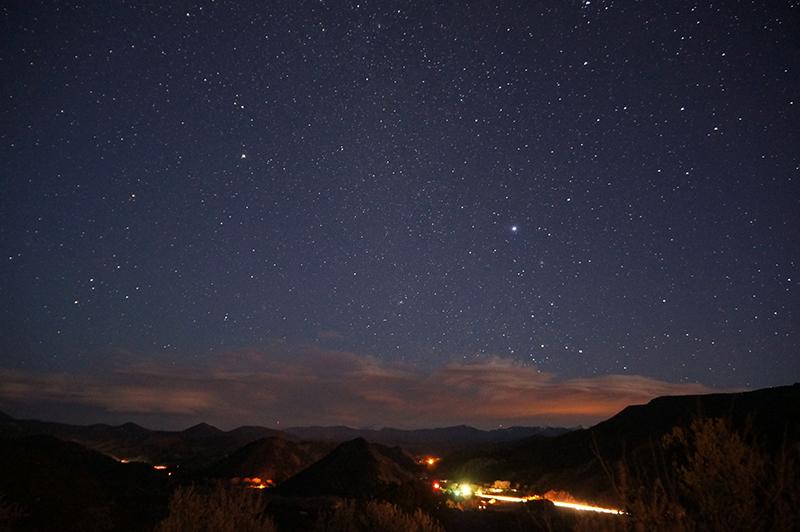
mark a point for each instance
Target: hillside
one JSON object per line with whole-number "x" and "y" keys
{"x": 572, "y": 462}
{"x": 355, "y": 468}
{"x": 60, "y": 485}
{"x": 268, "y": 458}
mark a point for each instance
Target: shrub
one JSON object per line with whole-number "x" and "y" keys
{"x": 709, "y": 477}
{"x": 373, "y": 516}
{"x": 218, "y": 509}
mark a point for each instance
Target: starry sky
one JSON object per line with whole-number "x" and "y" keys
{"x": 326, "y": 211}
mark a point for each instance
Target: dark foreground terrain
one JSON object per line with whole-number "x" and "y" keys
{"x": 711, "y": 462}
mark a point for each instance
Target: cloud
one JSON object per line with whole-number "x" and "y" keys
{"x": 310, "y": 385}
{"x": 329, "y": 334}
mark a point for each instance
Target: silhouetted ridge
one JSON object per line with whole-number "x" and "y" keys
{"x": 355, "y": 468}
{"x": 442, "y": 439}
{"x": 572, "y": 461}
{"x": 63, "y": 486}
{"x": 254, "y": 432}
{"x": 194, "y": 448}
{"x": 203, "y": 429}
{"x": 271, "y": 458}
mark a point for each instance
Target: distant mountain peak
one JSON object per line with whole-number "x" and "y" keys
{"x": 131, "y": 426}
{"x": 202, "y": 429}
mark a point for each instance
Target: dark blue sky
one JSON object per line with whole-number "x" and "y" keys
{"x": 587, "y": 189}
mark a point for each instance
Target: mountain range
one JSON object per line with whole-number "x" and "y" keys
{"x": 71, "y": 477}
{"x": 200, "y": 446}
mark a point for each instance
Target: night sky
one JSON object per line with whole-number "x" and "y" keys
{"x": 406, "y": 213}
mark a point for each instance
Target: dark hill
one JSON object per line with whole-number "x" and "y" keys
{"x": 61, "y": 485}
{"x": 355, "y": 468}
{"x": 252, "y": 433}
{"x": 570, "y": 462}
{"x": 202, "y": 430}
{"x": 269, "y": 458}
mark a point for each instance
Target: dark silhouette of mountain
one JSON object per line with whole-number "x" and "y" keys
{"x": 60, "y": 485}
{"x": 252, "y": 433}
{"x": 357, "y": 469}
{"x": 272, "y": 458}
{"x": 424, "y": 440}
{"x": 202, "y": 430}
{"x": 572, "y": 461}
{"x": 194, "y": 448}
{"x": 201, "y": 445}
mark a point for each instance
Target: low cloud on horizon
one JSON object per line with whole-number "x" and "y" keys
{"x": 307, "y": 385}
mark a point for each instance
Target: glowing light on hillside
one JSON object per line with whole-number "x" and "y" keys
{"x": 256, "y": 483}
{"x": 429, "y": 461}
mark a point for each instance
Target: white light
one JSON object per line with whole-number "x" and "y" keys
{"x": 586, "y": 507}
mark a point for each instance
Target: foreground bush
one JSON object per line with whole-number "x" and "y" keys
{"x": 374, "y": 516}
{"x": 710, "y": 478}
{"x": 219, "y": 509}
